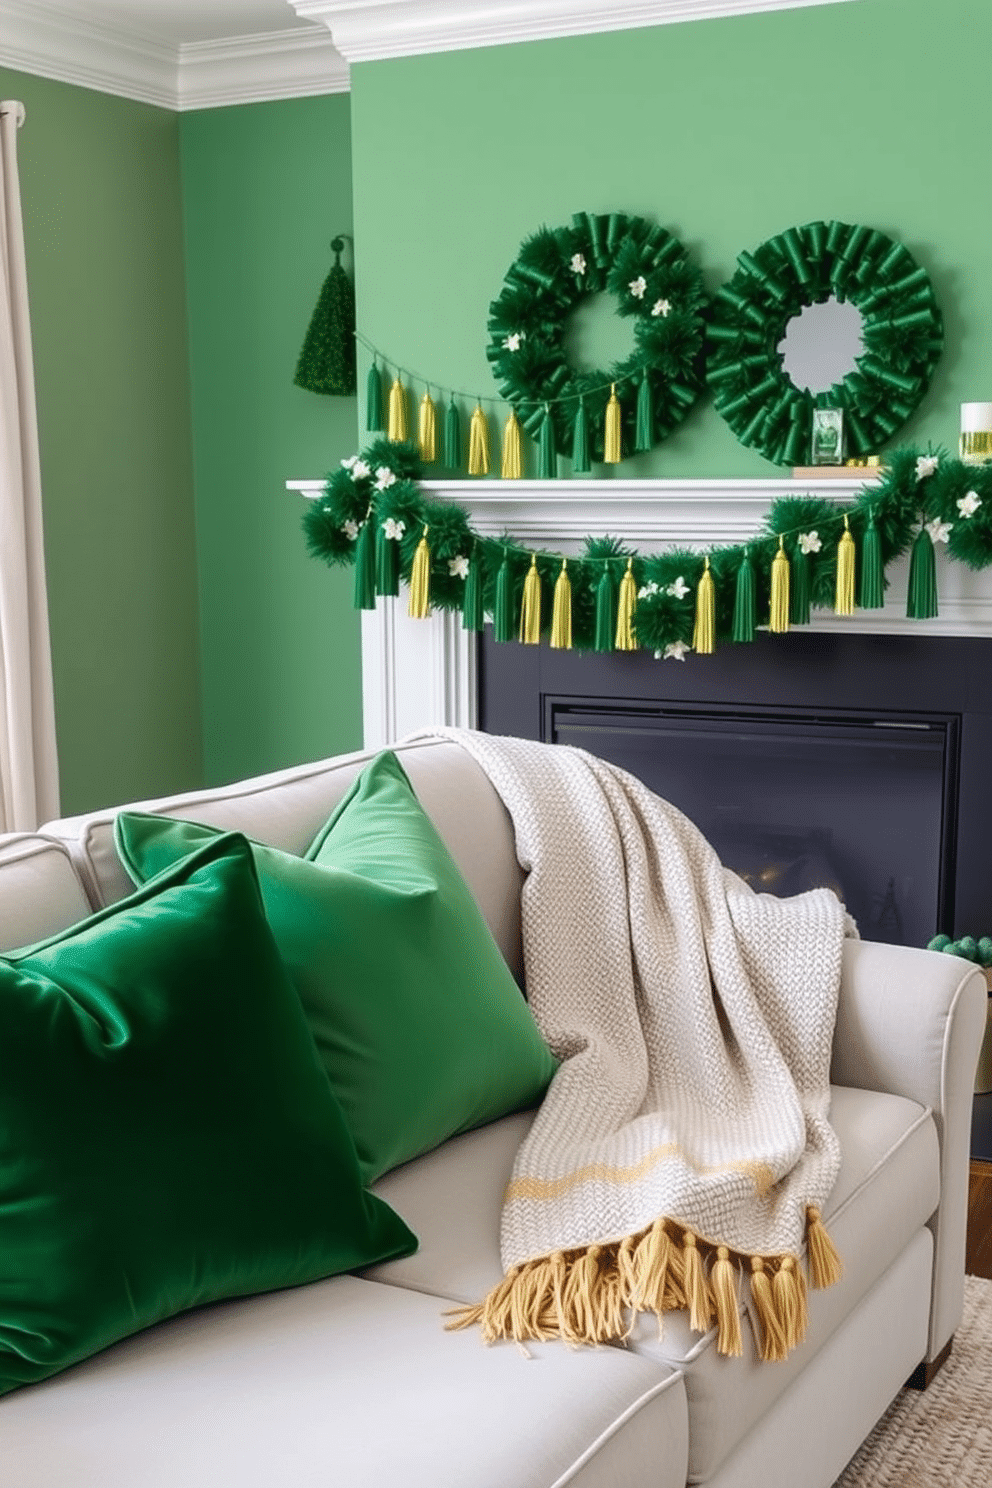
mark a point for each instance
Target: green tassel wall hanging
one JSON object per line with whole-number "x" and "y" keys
{"x": 453, "y": 437}
{"x": 365, "y": 565}
{"x": 745, "y": 602}
{"x": 872, "y": 591}
{"x": 473, "y": 616}
{"x": 644, "y": 431}
{"x": 503, "y": 608}
{"x": 387, "y": 557}
{"x": 374, "y": 419}
{"x": 799, "y": 589}
{"x": 327, "y": 359}
{"x": 921, "y": 599}
{"x": 580, "y": 441}
{"x": 547, "y": 454}
{"x": 606, "y": 612}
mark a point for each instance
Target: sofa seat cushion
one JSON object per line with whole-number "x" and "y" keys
{"x": 40, "y": 891}
{"x": 886, "y": 1190}
{"x": 343, "y": 1382}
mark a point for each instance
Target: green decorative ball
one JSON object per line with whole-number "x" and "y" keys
{"x": 968, "y": 948}
{"x": 939, "y": 943}
{"x": 985, "y": 950}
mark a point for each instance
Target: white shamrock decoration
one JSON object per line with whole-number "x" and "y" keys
{"x": 674, "y": 651}
{"x": 350, "y": 530}
{"x": 647, "y": 590}
{"x": 458, "y": 568}
{"x": 926, "y": 465}
{"x": 661, "y": 307}
{"x": 360, "y": 471}
{"x": 810, "y": 542}
{"x": 939, "y": 530}
{"x": 393, "y": 529}
{"x": 578, "y": 264}
{"x": 638, "y": 286}
{"x": 384, "y": 478}
{"x": 678, "y": 590}
{"x": 512, "y": 342}
{"x": 968, "y": 505}
{"x": 350, "y": 462}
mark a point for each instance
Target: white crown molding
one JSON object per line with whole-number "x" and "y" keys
{"x": 366, "y": 30}
{"x": 51, "y": 42}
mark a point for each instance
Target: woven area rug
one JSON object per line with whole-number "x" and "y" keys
{"x": 941, "y": 1437}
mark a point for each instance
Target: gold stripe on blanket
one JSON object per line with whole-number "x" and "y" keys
{"x": 553, "y": 1188}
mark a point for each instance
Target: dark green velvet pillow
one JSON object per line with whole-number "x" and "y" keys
{"x": 417, "y": 1018}
{"x": 168, "y": 1135}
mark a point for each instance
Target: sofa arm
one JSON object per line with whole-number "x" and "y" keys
{"x": 910, "y": 1023}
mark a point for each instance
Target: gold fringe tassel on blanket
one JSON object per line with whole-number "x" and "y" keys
{"x": 593, "y": 1295}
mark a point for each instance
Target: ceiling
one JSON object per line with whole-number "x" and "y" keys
{"x": 174, "y": 22}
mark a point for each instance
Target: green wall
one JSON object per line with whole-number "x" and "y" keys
{"x": 726, "y": 131}
{"x": 266, "y": 186}
{"x": 101, "y": 198}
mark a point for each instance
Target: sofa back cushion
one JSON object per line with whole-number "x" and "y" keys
{"x": 40, "y": 891}
{"x": 288, "y": 808}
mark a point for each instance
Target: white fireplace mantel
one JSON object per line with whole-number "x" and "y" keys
{"x": 420, "y": 673}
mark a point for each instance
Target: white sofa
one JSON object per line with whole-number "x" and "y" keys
{"x": 353, "y": 1380}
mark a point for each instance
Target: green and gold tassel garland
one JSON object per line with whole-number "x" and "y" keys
{"x": 427, "y": 429}
{"x": 478, "y": 443}
{"x": 530, "y": 607}
{"x": 473, "y": 616}
{"x": 606, "y": 627}
{"x": 626, "y": 637}
{"x": 561, "y": 614}
{"x": 365, "y": 564}
{"x": 644, "y": 434}
{"x": 420, "y": 575}
{"x": 580, "y": 441}
{"x": 921, "y": 598}
{"x": 387, "y": 562}
{"x": 704, "y": 630}
{"x": 778, "y": 614}
{"x": 511, "y": 466}
{"x": 846, "y": 553}
{"x": 503, "y": 608}
{"x": 547, "y": 453}
{"x": 397, "y": 427}
{"x": 799, "y": 587}
{"x": 872, "y": 592}
{"x": 745, "y": 601}
{"x": 611, "y": 431}
{"x": 453, "y": 437}
{"x": 373, "y": 400}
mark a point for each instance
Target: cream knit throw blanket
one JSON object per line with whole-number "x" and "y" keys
{"x": 683, "y": 1148}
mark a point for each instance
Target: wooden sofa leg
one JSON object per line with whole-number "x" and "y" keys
{"x": 925, "y": 1372}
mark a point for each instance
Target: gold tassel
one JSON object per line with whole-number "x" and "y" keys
{"x": 778, "y": 619}
{"x": 844, "y": 604}
{"x": 420, "y": 575}
{"x": 650, "y": 1264}
{"x": 696, "y": 1291}
{"x": 772, "y": 1347}
{"x": 561, "y": 614}
{"x": 704, "y": 633}
{"x": 626, "y": 639}
{"x": 427, "y": 430}
{"x": 512, "y": 463}
{"x": 790, "y": 1303}
{"x": 478, "y": 443}
{"x": 530, "y": 608}
{"x": 611, "y": 433}
{"x": 723, "y": 1284}
{"x": 396, "y": 429}
{"x": 825, "y": 1265}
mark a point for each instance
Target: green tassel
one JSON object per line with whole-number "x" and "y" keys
{"x": 606, "y": 615}
{"x": 365, "y": 565}
{"x": 745, "y": 602}
{"x": 373, "y": 400}
{"x": 921, "y": 600}
{"x": 547, "y": 454}
{"x": 580, "y": 442}
{"x": 473, "y": 617}
{"x": 453, "y": 437}
{"x": 644, "y": 433}
{"x": 503, "y": 628}
{"x": 872, "y": 594}
{"x": 387, "y": 563}
{"x": 327, "y": 360}
{"x": 800, "y": 587}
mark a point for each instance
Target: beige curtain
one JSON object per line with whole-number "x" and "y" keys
{"x": 29, "y": 787}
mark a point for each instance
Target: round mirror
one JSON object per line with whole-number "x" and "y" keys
{"x": 821, "y": 344}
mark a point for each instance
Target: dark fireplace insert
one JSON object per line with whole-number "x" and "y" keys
{"x": 859, "y": 762}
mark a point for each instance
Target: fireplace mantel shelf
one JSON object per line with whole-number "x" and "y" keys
{"x": 421, "y": 673}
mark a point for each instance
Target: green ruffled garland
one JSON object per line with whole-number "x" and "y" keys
{"x": 374, "y": 512}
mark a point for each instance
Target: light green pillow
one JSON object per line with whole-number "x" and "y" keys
{"x": 418, "y": 1021}
{"x": 168, "y": 1135}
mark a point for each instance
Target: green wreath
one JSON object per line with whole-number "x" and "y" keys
{"x": 647, "y": 269}
{"x": 902, "y": 334}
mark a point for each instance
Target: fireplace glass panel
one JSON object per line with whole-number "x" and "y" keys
{"x": 793, "y": 803}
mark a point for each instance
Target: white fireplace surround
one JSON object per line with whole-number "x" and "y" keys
{"x": 420, "y": 673}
